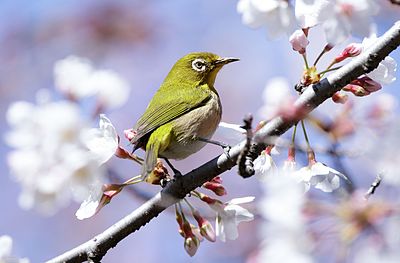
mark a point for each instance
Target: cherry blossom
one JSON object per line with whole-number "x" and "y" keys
{"x": 339, "y": 18}
{"x": 77, "y": 78}
{"x": 102, "y": 141}
{"x": 284, "y": 235}
{"x": 229, "y": 215}
{"x": 56, "y": 166}
{"x": 276, "y": 15}
{"x": 320, "y": 176}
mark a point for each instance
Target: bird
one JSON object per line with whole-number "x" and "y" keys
{"x": 184, "y": 112}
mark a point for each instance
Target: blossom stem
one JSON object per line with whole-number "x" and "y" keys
{"x": 305, "y": 134}
{"x": 190, "y": 206}
{"x": 328, "y": 70}
{"x": 195, "y": 193}
{"x": 294, "y": 133}
{"x": 305, "y": 60}
{"x": 134, "y": 180}
{"x": 319, "y": 56}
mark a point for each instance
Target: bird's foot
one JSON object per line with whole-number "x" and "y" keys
{"x": 176, "y": 172}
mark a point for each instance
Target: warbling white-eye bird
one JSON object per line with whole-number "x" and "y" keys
{"x": 184, "y": 113}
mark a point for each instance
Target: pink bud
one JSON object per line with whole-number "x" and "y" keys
{"x": 217, "y": 179}
{"x": 206, "y": 229}
{"x": 217, "y": 188}
{"x": 299, "y": 41}
{"x": 328, "y": 48}
{"x": 352, "y": 50}
{"x": 369, "y": 84}
{"x": 311, "y": 157}
{"x": 340, "y": 97}
{"x": 129, "y": 134}
{"x": 207, "y": 199}
{"x": 191, "y": 245}
{"x": 362, "y": 86}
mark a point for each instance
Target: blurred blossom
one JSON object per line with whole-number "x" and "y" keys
{"x": 229, "y": 215}
{"x": 5, "y": 251}
{"x": 383, "y": 155}
{"x": 50, "y": 161}
{"x": 102, "y": 141}
{"x": 372, "y": 254}
{"x": 70, "y": 73}
{"x": 276, "y": 15}
{"x": 76, "y": 78}
{"x": 386, "y": 70}
{"x": 284, "y": 235}
{"x": 310, "y": 13}
{"x": 276, "y": 96}
{"x": 339, "y": 18}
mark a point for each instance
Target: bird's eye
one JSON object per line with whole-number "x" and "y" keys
{"x": 199, "y": 65}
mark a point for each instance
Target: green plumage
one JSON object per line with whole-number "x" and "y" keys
{"x": 186, "y": 106}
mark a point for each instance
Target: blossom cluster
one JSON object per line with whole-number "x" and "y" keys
{"x": 56, "y": 157}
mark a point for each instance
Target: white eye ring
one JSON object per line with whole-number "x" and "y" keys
{"x": 199, "y": 64}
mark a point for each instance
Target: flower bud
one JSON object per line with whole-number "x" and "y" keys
{"x": 217, "y": 188}
{"x": 352, "y": 50}
{"x": 129, "y": 134}
{"x": 191, "y": 245}
{"x": 299, "y": 41}
{"x": 206, "y": 229}
{"x": 340, "y": 97}
{"x": 207, "y": 199}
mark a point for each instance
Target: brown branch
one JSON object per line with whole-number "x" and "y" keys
{"x": 94, "y": 249}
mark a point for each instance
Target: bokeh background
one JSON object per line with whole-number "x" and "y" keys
{"x": 140, "y": 40}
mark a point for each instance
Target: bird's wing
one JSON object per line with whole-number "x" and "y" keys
{"x": 167, "y": 105}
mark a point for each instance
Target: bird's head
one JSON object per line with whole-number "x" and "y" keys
{"x": 199, "y": 67}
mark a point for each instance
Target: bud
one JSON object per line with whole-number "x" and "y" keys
{"x": 129, "y": 134}
{"x": 206, "y": 229}
{"x": 311, "y": 157}
{"x": 191, "y": 245}
{"x": 207, "y": 199}
{"x": 362, "y": 86}
{"x": 340, "y": 97}
{"x": 299, "y": 41}
{"x": 352, "y": 50}
{"x": 217, "y": 188}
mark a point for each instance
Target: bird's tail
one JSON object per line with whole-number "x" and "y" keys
{"x": 150, "y": 162}
{"x": 158, "y": 142}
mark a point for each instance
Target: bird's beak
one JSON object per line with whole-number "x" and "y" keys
{"x": 224, "y": 61}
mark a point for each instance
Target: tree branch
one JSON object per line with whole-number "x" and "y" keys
{"x": 94, "y": 249}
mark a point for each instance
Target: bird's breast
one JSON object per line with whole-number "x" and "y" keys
{"x": 200, "y": 122}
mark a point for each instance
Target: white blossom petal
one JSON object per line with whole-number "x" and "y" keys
{"x": 102, "y": 142}
{"x": 90, "y": 206}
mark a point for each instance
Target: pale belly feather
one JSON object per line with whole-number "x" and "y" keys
{"x": 201, "y": 122}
